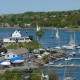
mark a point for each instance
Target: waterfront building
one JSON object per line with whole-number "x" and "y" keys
{"x": 16, "y": 37}
{"x": 10, "y": 55}
{"x": 14, "y": 56}
{"x": 22, "y": 52}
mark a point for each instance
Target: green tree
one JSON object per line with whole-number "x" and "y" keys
{"x": 35, "y": 76}
{"x": 3, "y": 49}
{"x": 39, "y": 34}
{"x": 12, "y": 75}
{"x": 53, "y": 76}
{"x": 31, "y": 37}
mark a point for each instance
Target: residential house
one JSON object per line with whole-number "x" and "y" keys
{"x": 16, "y": 37}
{"x": 22, "y": 52}
{"x": 10, "y": 55}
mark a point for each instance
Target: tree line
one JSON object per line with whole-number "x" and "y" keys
{"x": 35, "y": 74}
{"x": 59, "y": 19}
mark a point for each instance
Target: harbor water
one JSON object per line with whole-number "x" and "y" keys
{"x": 49, "y": 42}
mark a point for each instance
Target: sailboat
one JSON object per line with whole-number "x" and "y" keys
{"x": 57, "y": 34}
{"x": 66, "y": 73}
{"x": 38, "y": 28}
{"x": 57, "y": 39}
{"x": 71, "y": 44}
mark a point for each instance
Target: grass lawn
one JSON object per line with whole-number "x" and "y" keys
{"x": 30, "y": 45}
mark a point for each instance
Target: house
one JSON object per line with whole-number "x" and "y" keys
{"x": 10, "y": 55}
{"x": 22, "y": 52}
{"x": 16, "y": 37}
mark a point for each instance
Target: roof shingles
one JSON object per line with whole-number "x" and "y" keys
{"x": 20, "y": 51}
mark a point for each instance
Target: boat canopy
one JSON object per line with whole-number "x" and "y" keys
{"x": 16, "y": 58}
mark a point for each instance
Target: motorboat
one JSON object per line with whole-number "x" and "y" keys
{"x": 57, "y": 47}
{"x": 39, "y": 56}
{"x": 17, "y": 60}
{"x": 68, "y": 78}
{"x": 68, "y": 47}
{"x": 5, "y": 63}
{"x": 68, "y": 59}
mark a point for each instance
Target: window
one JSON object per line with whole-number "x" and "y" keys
{"x": 7, "y": 55}
{"x": 13, "y": 55}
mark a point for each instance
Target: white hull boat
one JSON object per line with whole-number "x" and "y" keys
{"x": 68, "y": 78}
{"x": 17, "y": 61}
{"x": 57, "y": 47}
{"x": 5, "y": 63}
{"x": 68, "y": 59}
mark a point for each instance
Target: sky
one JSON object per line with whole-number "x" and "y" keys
{"x": 21, "y": 6}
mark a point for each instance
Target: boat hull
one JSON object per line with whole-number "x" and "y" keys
{"x": 17, "y": 61}
{"x": 5, "y": 63}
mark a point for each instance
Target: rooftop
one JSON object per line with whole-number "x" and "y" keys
{"x": 20, "y": 51}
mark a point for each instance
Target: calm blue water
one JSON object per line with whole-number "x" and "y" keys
{"x": 70, "y": 71}
{"x": 47, "y": 41}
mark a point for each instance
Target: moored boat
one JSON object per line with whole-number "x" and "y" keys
{"x": 68, "y": 78}
{"x": 17, "y": 60}
{"x": 5, "y": 63}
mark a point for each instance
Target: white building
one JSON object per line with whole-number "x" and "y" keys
{"x": 16, "y": 37}
{"x": 10, "y": 55}
{"x": 22, "y": 52}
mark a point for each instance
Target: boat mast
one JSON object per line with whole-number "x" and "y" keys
{"x": 71, "y": 42}
{"x": 65, "y": 69}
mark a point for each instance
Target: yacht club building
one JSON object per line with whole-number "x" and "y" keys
{"x": 16, "y": 37}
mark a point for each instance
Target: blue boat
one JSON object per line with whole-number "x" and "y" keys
{"x": 17, "y": 60}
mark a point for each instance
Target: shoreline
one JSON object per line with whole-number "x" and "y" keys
{"x": 53, "y": 28}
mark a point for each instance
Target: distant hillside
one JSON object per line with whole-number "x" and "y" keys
{"x": 45, "y": 19}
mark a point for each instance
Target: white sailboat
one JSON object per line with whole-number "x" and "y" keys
{"x": 57, "y": 39}
{"x": 71, "y": 44}
{"x": 65, "y": 77}
{"x": 38, "y": 28}
{"x": 57, "y": 34}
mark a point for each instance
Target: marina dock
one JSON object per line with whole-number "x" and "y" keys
{"x": 59, "y": 65}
